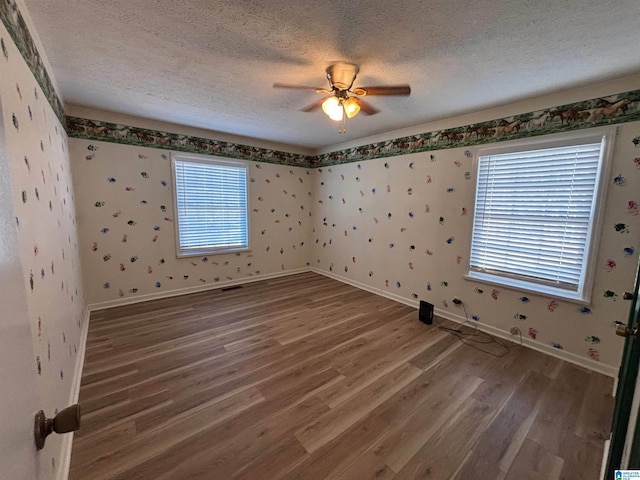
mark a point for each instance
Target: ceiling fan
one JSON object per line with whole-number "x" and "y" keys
{"x": 344, "y": 99}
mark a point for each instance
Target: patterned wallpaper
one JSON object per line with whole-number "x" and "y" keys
{"x": 399, "y": 224}
{"x": 403, "y": 216}
{"x": 127, "y": 232}
{"x": 45, "y": 221}
{"x": 403, "y": 225}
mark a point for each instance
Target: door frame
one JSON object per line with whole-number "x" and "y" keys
{"x": 624, "y": 449}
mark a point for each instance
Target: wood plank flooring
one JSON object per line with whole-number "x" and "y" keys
{"x": 306, "y": 378}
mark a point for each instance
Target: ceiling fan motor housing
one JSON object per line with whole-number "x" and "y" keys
{"x": 341, "y": 75}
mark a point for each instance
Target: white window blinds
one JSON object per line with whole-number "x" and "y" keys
{"x": 212, "y": 208}
{"x": 533, "y": 214}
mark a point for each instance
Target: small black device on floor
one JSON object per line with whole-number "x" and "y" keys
{"x": 426, "y": 312}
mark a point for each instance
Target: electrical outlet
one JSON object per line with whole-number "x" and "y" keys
{"x": 515, "y": 331}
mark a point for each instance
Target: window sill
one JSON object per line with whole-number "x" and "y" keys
{"x": 521, "y": 286}
{"x": 203, "y": 252}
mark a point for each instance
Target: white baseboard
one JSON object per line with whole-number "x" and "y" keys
{"x": 540, "y": 347}
{"x": 67, "y": 439}
{"x": 368, "y": 288}
{"x": 198, "y": 288}
{"x": 498, "y": 332}
{"x": 605, "y": 457}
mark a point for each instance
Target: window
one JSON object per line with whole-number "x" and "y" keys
{"x": 537, "y": 211}
{"x": 211, "y": 205}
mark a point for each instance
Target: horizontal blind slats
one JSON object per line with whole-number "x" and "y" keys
{"x": 533, "y": 212}
{"x": 212, "y": 205}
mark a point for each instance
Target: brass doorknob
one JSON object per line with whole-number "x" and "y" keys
{"x": 622, "y": 330}
{"x": 67, "y": 420}
{"x": 625, "y": 331}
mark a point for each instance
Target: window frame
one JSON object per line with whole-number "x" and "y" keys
{"x": 605, "y": 136}
{"x": 211, "y": 160}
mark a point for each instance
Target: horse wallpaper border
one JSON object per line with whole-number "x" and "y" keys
{"x": 17, "y": 28}
{"x": 127, "y": 135}
{"x": 607, "y": 110}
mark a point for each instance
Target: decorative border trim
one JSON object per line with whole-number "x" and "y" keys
{"x": 497, "y": 332}
{"x": 14, "y": 23}
{"x": 115, "y": 133}
{"x": 608, "y": 110}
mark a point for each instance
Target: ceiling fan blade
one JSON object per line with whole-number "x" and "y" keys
{"x": 301, "y": 87}
{"x": 366, "y": 107}
{"x": 398, "y": 90}
{"x": 314, "y": 106}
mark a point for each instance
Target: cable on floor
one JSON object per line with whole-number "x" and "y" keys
{"x": 477, "y": 336}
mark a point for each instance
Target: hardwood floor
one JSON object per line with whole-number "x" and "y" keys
{"x": 304, "y": 377}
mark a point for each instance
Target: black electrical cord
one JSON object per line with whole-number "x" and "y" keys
{"x": 482, "y": 337}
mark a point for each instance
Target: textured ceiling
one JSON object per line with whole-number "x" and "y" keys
{"x": 211, "y": 64}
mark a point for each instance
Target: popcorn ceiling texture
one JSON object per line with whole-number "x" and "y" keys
{"x": 212, "y": 64}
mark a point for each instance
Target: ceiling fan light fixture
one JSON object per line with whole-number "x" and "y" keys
{"x": 351, "y": 107}
{"x": 344, "y": 101}
{"x": 333, "y": 108}
{"x": 337, "y": 115}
